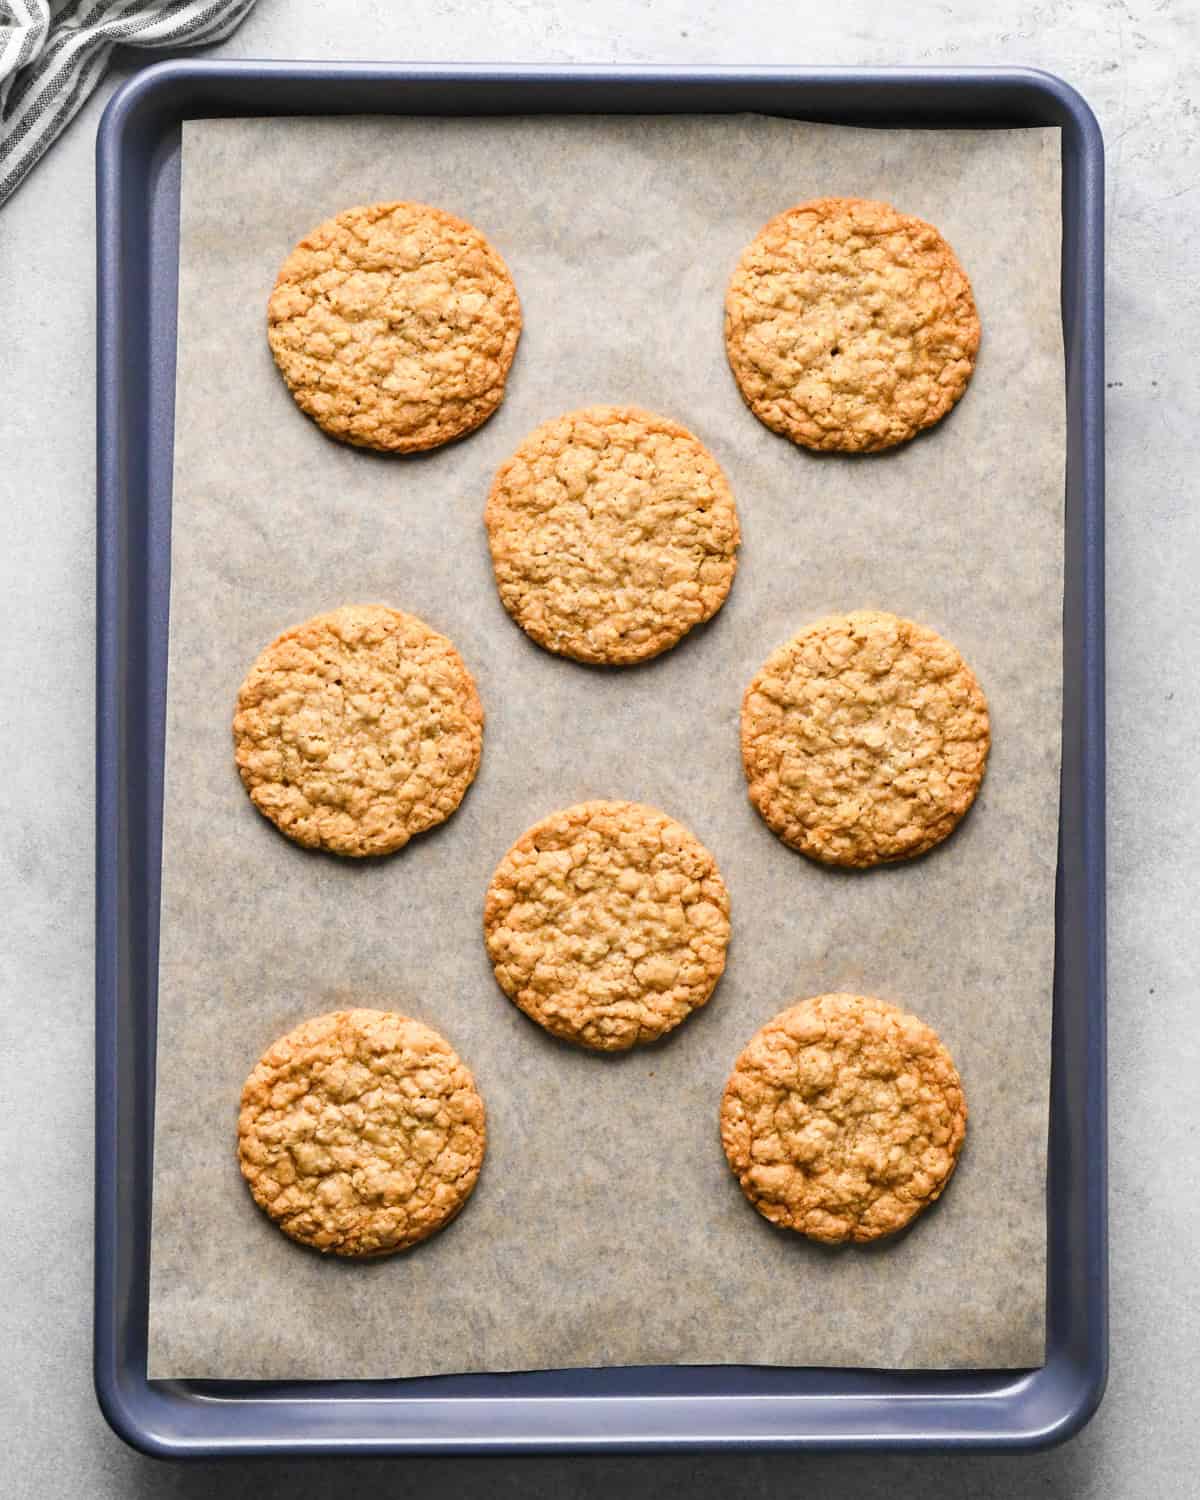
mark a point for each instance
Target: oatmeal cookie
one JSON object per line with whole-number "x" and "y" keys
{"x": 843, "y": 1118}
{"x": 607, "y": 923}
{"x": 394, "y": 326}
{"x": 864, "y": 739}
{"x": 358, "y": 729}
{"x": 361, "y": 1133}
{"x": 850, "y": 326}
{"x": 613, "y": 532}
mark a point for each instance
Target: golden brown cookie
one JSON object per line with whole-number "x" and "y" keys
{"x": 394, "y": 326}
{"x": 843, "y": 1118}
{"x": 864, "y": 739}
{"x": 361, "y": 1132}
{"x": 613, "y": 532}
{"x": 850, "y": 326}
{"x": 358, "y": 729}
{"x": 607, "y": 923}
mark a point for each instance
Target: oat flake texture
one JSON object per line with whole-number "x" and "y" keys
{"x": 613, "y": 532}
{"x": 864, "y": 739}
{"x": 357, "y": 730}
{"x": 843, "y": 1118}
{"x": 360, "y": 1132}
{"x": 850, "y": 326}
{"x": 394, "y": 326}
{"x": 607, "y": 923}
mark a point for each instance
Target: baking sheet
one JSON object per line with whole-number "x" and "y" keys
{"x": 606, "y": 1227}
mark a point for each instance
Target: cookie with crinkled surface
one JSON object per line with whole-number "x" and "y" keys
{"x": 613, "y": 532}
{"x": 864, "y": 739}
{"x": 607, "y": 923}
{"x": 394, "y": 326}
{"x": 361, "y": 1132}
{"x": 850, "y": 326}
{"x": 843, "y": 1118}
{"x": 357, "y": 730}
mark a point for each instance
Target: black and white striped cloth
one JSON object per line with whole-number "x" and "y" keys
{"x": 53, "y": 53}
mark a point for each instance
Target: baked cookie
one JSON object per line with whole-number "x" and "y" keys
{"x": 850, "y": 326}
{"x": 607, "y": 923}
{"x": 843, "y": 1118}
{"x": 613, "y": 532}
{"x": 864, "y": 739}
{"x": 358, "y": 729}
{"x": 361, "y": 1132}
{"x": 394, "y": 326}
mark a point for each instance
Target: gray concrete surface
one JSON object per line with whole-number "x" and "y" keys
{"x": 1138, "y": 62}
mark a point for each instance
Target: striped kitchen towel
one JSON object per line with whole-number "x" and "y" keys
{"x": 53, "y": 53}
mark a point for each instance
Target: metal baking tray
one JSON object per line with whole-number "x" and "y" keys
{"x": 645, "y": 1408}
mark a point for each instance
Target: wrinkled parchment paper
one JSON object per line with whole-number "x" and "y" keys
{"x": 606, "y": 1227}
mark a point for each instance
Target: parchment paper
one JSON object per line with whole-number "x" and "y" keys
{"x": 606, "y": 1227}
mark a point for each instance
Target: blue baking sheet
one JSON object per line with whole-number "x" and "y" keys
{"x": 644, "y": 1408}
